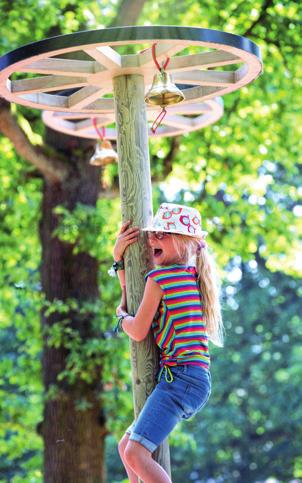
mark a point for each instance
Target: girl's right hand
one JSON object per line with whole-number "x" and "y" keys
{"x": 126, "y": 237}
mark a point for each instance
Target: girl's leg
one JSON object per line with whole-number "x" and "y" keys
{"x": 144, "y": 466}
{"x": 121, "y": 448}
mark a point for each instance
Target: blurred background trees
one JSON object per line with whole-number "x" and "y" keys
{"x": 244, "y": 174}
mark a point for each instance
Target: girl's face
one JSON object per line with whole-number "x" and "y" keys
{"x": 164, "y": 249}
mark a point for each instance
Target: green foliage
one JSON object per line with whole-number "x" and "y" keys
{"x": 53, "y": 18}
{"x": 83, "y": 228}
{"x": 85, "y": 354}
{"x": 244, "y": 174}
{"x": 20, "y": 338}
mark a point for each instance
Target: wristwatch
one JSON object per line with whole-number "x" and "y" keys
{"x": 118, "y": 265}
{"x": 115, "y": 267}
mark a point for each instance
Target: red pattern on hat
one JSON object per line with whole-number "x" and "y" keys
{"x": 176, "y": 211}
{"x": 196, "y": 221}
{"x": 167, "y": 214}
{"x": 185, "y": 220}
{"x": 170, "y": 226}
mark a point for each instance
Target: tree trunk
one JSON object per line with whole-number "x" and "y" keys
{"x": 73, "y": 438}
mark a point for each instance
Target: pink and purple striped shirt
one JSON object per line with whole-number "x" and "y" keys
{"x": 180, "y": 330}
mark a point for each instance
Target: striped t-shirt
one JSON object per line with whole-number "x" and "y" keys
{"x": 180, "y": 330}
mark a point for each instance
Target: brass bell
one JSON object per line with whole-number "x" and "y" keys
{"x": 104, "y": 154}
{"x": 163, "y": 92}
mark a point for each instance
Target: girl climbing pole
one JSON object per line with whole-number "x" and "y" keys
{"x": 181, "y": 306}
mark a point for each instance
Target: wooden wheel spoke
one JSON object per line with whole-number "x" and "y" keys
{"x": 178, "y": 121}
{"x": 201, "y": 92}
{"x": 85, "y": 96}
{"x": 188, "y": 109}
{"x": 101, "y": 106}
{"x": 162, "y": 49}
{"x": 205, "y": 78}
{"x": 66, "y": 67}
{"x": 164, "y": 130}
{"x": 82, "y": 126}
{"x": 50, "y": 100}
{"x": 200, "y": 120}
{"x": 205, "y": 60}
{"x": 69, "y": 115}
{"x": 45, "y": 84}
{"x": 106, "y": 56}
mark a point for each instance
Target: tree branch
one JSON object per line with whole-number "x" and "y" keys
{"x": 54, "y": 171}
{"x": 128, "y": 13}
{"x": 265, "y": 6}
{"x": 168, "y": 161}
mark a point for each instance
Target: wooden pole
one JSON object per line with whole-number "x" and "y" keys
{"x": 136, "y": 205}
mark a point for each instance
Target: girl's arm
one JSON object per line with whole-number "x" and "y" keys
{"x": 138, "y": 327}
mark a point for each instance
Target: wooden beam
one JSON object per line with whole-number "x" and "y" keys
{"x": 71, "y": 115}
{"x": 66, "y": 67}
{"x": 87, "y": 124}
{"x": 205, "y": 60}
{"x": 205, "y": 78}
{"x": 85, "y": 96}
{"x": 188, "y": 109}
{"x": 201, "y": 93}
{"x": 101, "y": 105}
{"x": 42, "y": 100}
{"x": 181, "y": 122}
{"x": 46, "y": 84}
{"x": 106, "y": 56}
{"x": 162, "y": 50}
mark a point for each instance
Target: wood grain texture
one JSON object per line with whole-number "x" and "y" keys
{"x": 136, "y": 204}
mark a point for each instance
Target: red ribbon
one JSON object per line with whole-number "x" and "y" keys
{"x": 100, "y": 134}
{"x": 158, "y": 120}
{"x": 165, "y": 65}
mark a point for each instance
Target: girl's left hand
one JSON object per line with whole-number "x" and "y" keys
{"x": 121, "y": 310}
{"x": 125, "y": 237}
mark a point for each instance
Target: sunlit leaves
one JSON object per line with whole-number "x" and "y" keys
{"x": 244, "y": 175}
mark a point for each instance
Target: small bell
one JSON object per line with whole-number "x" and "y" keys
{"x": 104, "y": 154}
{"x": 163, "y": 92}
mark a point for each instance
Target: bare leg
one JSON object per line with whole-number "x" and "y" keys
{"x": 121, "y": 448}
{"x": 143, "y": 465}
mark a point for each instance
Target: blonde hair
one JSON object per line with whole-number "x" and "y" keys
{"x": 186, "y": 247}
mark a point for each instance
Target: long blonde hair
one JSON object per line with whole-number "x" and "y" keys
{"x": 187, "y": 247}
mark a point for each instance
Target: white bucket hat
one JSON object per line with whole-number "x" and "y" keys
{"x": 180, "y": 219}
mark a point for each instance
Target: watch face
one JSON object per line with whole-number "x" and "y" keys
{"x": 118, "y": 265}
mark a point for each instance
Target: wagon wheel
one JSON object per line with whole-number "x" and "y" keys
{"x": 204, "y": 63}
{"x": 179, "y": 119}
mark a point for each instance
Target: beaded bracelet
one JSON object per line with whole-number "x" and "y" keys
{"x": 120, "y": 321}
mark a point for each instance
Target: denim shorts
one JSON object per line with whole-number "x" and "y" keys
{"x": 169, "y": 403}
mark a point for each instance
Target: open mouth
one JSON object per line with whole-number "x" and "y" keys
{"x": 157, "y": 252}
